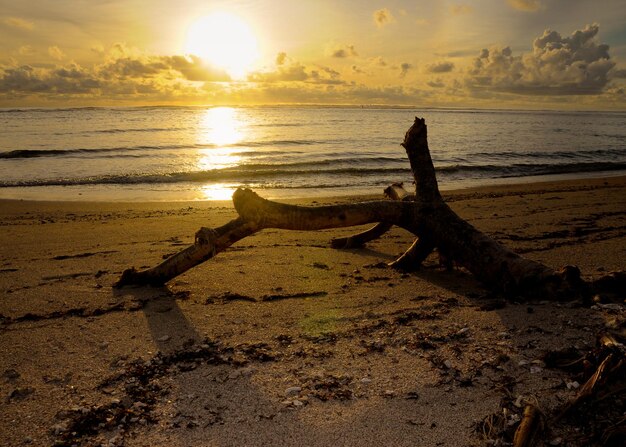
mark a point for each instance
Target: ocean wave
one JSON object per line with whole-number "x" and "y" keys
{"x": 238, "y": 174}
{"x": 34, "y": 153}
{"x": 581, "y": 153}
{"x": 298, "y": 173}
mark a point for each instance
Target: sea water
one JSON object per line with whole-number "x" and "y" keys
{"x": 203, "y": 153}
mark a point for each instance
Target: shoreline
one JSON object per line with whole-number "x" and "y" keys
{"x": 531, "y": 182}
{"x": 281, "y": 340}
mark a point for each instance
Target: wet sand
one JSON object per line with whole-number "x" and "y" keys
{"x": 282, "y": 340}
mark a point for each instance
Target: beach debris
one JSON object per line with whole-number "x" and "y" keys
{"x": 329, "y": 386}
{"x": 227, "y": 297}
{"x": 20, "y": 393}
{"x": 594, "y": 416}
{"x": 424, "y": 213}
{"x": 530, "y": 427}
{"x": 320, "y": 265}
{"x": 140, "y": 388}
{"x": 287, "y": 296}
{"x": 608, "y": 379}
{"x": 11, "y": 374}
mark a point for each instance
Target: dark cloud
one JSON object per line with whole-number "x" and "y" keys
{"x": 436, "y": 83}
{"x": 290, "y": 70}
{"x": 121, "y": 73}
{"x": 574, "y": 65}
{"x": 357, "y": 70}
{"x": 325, "y": 75}
{"x": 26, "y": 79}
{"x": 191, "y": 68}
{"x": 382, "y": 17}
{"x": 344, "y": 51}
{"x": 440, "y": 67}
{"x": 404, "y": 68}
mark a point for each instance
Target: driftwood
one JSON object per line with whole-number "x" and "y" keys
{"x": 424, "y": 213}
{"x": 530, "y": 427}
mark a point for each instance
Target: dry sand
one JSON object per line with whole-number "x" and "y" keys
{"x": 282, "y": 340}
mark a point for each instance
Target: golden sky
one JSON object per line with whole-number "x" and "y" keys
{"x": 565, "y": 54}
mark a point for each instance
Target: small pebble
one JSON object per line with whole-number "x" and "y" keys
{"x": 234, "y": 375}
{"x": 164, "y": 338}
{"x": 293, "y": 391}
{"x": 58, "y": 429}
{"x": 463, "y": 331}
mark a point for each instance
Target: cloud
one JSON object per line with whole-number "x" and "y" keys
{"x": 281, "y": 58}
{"x": 27, "y": 79}
{"x": 404, "y": 68}
{"x": 326, "y": 75}
{"x": 436, "y": 83}
{"x": 440, "y": 67}
{"x": 26, "y": 50}
{"x": 284, "y": 73}
{"x": 294, "y": 71}
{"x": 343, "y": 51}
{"x": 356, "y": 70}
{"x": 16, "y": 22}
{"x": 290, "y": 70}
{"x": 525, "y": 5}
{"x": 461, "y": 9}
{"x": 122, "y": 72}
{"x": 379, "y": 61}
{"x": 574, "y": 65}
{"x": 56, "y": 53}
{"x": 191, "y": 68}
{"x": 382, "y": 17}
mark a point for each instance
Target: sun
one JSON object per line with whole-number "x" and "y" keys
{"x": 224, "y": 40}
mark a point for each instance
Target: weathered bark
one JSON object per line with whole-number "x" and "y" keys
{"x": 256, "y": 214}
{"x": 209, "y": 242}
{"x": 424, "y": 214}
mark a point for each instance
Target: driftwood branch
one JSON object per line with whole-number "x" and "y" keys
{"x": 424, "y": 213}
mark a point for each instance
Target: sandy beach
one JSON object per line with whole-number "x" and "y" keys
{"x": 282, "y": 340}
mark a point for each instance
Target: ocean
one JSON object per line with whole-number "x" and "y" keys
{"x": 204, "y": 153}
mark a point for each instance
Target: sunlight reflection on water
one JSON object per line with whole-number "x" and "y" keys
{"x": 220, "y": 128}
{"x": 218, "y": 191}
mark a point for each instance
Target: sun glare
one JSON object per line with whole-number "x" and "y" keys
{"x": 220, "y": 126}
{"x": 224, "y": 40}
